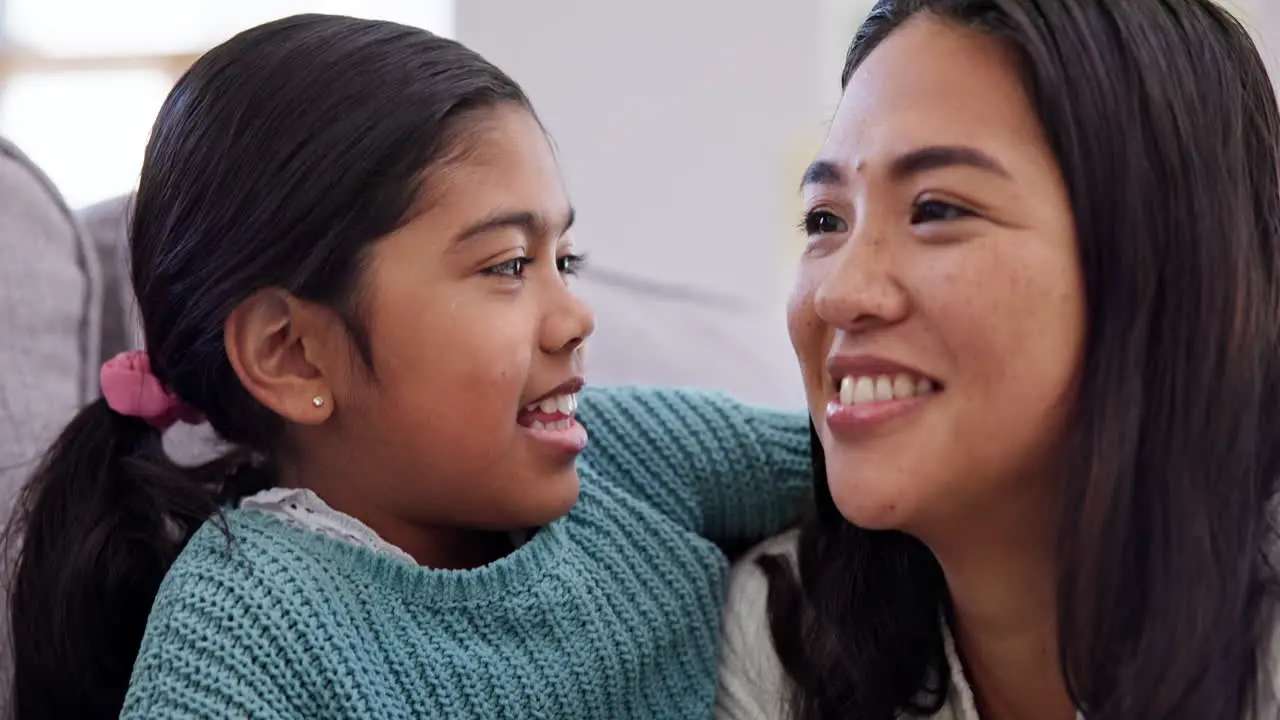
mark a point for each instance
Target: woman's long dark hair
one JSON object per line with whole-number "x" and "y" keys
{"x": 276, "y": 161}
{"x": 1165, "y": 126}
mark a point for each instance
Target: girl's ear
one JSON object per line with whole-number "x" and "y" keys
{"x": 283, "y": 349}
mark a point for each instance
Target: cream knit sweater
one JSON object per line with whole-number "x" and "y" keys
{"x": 752, "y": 685}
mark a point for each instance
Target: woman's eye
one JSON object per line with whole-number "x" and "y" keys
{"x": 821, "y": 222}
{"x": 513, "y": 268}
{"x": 927, "y": 211}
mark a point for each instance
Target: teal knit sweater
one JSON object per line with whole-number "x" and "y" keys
{"x": 611, "y": 612}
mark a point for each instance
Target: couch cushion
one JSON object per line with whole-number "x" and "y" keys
{"x": 49, "y": 316}
{"x": 108, "y": 226}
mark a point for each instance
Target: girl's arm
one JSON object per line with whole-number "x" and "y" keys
{"x": 727, "y": 470}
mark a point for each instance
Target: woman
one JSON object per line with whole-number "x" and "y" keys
{"x": 1036, "y": 320}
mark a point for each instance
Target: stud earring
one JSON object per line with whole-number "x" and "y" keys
{"x": 318, "y": 401}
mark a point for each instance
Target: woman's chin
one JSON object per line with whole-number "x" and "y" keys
{"x": 884, "y": 516}
{"x": 873, "y": 508}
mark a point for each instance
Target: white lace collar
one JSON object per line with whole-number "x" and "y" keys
{"x": 303, "y": 508}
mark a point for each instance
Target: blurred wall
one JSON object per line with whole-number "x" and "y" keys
{"x": 1263, "y": 19}
{"x": 681, "y": 127}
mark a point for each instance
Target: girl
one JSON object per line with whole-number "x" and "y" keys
{"x": 350, "y": 249}
{"x": 1054, "y": 225}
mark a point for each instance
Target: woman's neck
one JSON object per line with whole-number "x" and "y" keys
{"x": 1002, "y": 581}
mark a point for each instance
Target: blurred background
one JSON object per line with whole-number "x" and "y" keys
{"x": 682, "y": 127}
{"x": 81, "y": 80}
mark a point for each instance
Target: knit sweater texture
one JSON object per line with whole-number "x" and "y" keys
{"x": 611, "y": 612}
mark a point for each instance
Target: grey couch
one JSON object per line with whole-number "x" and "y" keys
{"x": 50, "y": 317}
{"x": 65, "y": 306}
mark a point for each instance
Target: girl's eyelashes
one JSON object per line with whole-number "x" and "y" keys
{"x": 571, "y": 264}
{"x": 933, "y": 210}
{"x": 515, "y": 268}
{"x": 822, "y": 222}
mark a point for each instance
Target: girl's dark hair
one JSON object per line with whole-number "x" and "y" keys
{"x": 1165, "y": 126}
{"x": 279, "y": 158}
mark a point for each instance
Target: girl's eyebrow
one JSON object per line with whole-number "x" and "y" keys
{"x": 530, "y": 222}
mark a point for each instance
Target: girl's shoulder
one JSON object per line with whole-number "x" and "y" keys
{"x": 235, "y": 606}
{"x": 243, "y": 557}
{"x": 238, "y": 539}
{"x": 245, "y": 574}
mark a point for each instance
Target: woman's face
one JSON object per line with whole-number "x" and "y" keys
{"x": 938, "y": 314}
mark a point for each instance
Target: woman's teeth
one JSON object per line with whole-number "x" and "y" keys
{"x": 564, "y": 405}
{"x": 882, "y": 388}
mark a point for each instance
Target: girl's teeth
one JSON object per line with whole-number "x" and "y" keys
{"x": 882, "y": 388}
{"x": 557, "y": 425}
{"x": 558, "y": 404}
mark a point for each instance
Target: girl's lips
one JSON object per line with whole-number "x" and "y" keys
{"x": 550, "y": 421}
{"x": 560, "y": 433}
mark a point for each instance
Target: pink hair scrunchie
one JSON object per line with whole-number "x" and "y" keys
{"x": 131, "y": 390}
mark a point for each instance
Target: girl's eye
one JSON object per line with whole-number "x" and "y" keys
{"x": 570, "y": 264}
{"x": 513, "y": 268}
{"x": 927, "y": 211}
{"x": 821, "y": 222}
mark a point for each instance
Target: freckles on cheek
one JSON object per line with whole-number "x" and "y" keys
{"x": 1016, "y": 329}
{"x": 802, "y": 319}
{"x": 804, "y": 287}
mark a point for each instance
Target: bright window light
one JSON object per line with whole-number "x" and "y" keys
{"x": 87, "y": 128}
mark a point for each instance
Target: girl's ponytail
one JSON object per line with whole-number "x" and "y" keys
{"x": 100, "y": 522}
